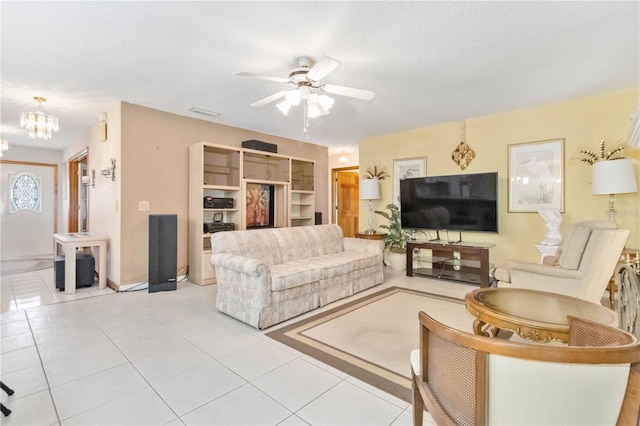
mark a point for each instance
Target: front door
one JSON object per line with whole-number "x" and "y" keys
{"x": 29, "y": 215}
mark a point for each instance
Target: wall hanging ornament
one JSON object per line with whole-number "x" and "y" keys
{"x": 463, "y": 154}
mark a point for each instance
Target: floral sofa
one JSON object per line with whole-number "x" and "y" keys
{"x": 266, "y": 276}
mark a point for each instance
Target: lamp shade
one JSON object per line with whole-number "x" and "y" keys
{"x": 369, "y": 189}
{"x": 613, "y": 177}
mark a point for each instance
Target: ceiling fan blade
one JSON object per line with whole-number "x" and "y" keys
{"x": 324, "y": 66}
{"x": 365, "y": 95}
{"x": 268, "y": 99}
{"x": 263, "y": 77}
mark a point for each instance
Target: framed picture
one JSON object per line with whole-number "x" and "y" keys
{"x": 536, "y": 176}
{"x": 405, "y": 168}
{"x": 260, "y": 211}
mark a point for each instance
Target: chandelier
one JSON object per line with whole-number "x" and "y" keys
{"x": 315, "y": 105}
{"x": 37, "y": 123}
{"x": 4, "y": 146}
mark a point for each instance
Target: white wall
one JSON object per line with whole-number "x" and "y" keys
{"x": 104, "y": 198}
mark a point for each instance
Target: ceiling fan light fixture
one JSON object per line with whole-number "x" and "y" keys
{"x": 284, "y": 107}
{"x": 326, "y": 102}
{"x": 308, "y": 90}
{"x": 305, "y": 92}
{"x": 313, "y": 111}
{"x": 293, "y": 96}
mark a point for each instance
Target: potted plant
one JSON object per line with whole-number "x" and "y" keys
{"x": 396, "y": 240}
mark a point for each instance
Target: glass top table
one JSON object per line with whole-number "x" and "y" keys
{"x": 536, "y": 315}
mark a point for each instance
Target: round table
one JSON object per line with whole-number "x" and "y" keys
{"x": 536, "y": 315}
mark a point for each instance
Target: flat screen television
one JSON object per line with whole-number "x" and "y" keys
{"x": 467, "y": 202}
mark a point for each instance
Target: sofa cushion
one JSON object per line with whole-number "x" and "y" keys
{"x": 293, "y": 274}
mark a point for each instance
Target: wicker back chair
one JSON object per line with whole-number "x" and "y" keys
{"x": 465, "y": 379}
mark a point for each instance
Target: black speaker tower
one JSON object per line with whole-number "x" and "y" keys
{"x": 163, "y": 252}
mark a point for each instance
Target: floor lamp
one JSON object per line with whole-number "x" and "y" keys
{"x": 613, "y": 177}
{"x": 370, "y": 190}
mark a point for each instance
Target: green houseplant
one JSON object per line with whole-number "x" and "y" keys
{"x": 396, "y": 240}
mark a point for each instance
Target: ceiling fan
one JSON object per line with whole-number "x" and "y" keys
{"x": 308, "y": 89}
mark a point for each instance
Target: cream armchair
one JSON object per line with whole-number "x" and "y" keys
{"x": 587, "y": 261}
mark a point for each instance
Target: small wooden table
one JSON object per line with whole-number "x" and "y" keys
{"x": 71, "y": 242}
{"x": 535, "y": 315}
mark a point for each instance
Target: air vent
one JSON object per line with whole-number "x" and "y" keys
{"x": 204, "y": 112}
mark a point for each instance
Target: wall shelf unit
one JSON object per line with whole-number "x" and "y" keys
{"x": 221, "y": 171}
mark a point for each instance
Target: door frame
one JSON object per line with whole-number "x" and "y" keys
{"x": 73, "y": 167}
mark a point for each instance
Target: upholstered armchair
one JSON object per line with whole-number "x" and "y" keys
{"x": 587, "y": 260}
{"x": 466, "y": 379}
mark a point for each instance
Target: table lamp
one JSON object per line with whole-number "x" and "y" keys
{"x": 613, "y": 177}
{"x": 369, "y": 190}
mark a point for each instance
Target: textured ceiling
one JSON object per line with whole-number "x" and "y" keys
{"x": 427, "y": 62}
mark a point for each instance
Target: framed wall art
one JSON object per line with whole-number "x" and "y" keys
{"x": 405, "y": 168}
{"x": 260, "y": 206}
{"x": 536, "y": 176}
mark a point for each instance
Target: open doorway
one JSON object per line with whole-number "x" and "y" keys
{"x": 79, "y": 192}
{"x": 346, "y": 199}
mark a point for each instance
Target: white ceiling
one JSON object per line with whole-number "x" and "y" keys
{"x": 427, "y": 62}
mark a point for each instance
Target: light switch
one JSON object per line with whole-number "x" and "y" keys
{"x": 144, "y": 206}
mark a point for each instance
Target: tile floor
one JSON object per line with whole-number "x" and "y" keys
{"x": 170, "y": 358}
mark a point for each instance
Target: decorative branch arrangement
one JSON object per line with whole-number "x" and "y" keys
{"x": 376, "y": 172}
{"x": 604, "y": 155}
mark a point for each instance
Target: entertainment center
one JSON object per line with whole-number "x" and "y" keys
{"x": 234, "y": 188}
{"x": 461, "y": 261}
{"x": 466, "y": 202}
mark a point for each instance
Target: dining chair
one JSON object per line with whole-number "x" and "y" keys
{"x": 466, "y": 379}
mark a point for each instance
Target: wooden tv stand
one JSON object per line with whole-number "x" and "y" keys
{"x": 472, "y": 267}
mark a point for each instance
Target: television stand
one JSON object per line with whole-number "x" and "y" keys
{"x": 437, "y": 238}
{"x": 460, "y": 261}
{"x": 455, "y": 242}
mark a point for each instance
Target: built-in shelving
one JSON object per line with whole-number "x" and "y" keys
{"x": 214, "y": 171}
{"x": 221, "y": 171}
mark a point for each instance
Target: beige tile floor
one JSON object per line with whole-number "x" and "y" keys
{"x": 169, "y": 358}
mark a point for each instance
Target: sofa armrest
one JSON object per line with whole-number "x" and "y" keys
{"x": 538, "y": 269}
{"x": 241, "y": 264}
{"x": 360, "y": 245}
{"x": 539, "y": 277}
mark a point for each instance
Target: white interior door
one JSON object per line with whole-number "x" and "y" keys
{"x": 27, "y": 215}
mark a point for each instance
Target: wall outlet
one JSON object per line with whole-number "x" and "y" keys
{"x": 456, "y": 260}
{"x": 144, "y": 206}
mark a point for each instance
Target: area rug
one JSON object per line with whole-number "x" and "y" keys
{"x": 371, "y": 338}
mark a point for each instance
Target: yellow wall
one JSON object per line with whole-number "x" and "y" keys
{"x": 580, "y": 122}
